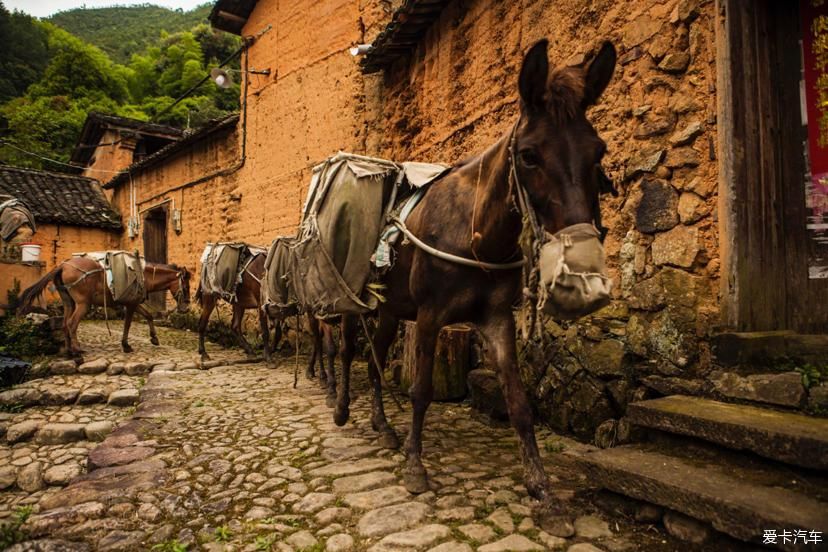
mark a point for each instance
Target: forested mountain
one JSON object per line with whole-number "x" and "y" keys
{"x": 121, "y": 31}
{"x": 50, "y": 80}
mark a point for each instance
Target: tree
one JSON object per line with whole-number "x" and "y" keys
{"x": 23, "y": 44}
{"x": 77, "y": 78}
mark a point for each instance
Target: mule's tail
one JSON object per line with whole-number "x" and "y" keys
{"x": 30, "y": 294}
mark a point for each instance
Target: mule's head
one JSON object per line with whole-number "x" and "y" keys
{"x": 557, "y": 156}
{"x": 180, "y": 290}
{"x": 558, "y": 152}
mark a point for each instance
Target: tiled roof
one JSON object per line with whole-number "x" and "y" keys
{"x": 407, "y": 27}
{"x": 202, "y": 133}
{"x": 96, "y": 123}
{"x": 60, "y": 198}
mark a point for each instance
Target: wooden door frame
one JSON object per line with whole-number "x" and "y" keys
{"x": 149, "y": 218}
{"x": 770, "y": 292}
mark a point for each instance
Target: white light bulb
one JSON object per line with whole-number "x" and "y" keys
{"x": 220, "y": 80}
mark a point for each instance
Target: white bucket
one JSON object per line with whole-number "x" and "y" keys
{"x": 30, "y": 252}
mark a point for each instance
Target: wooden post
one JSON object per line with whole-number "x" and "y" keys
{"x": 452, "y": 361}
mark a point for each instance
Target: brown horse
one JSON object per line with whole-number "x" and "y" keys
{"x": 248, "y": 296}
{"x": 80, "y": 283}
{"x": 552, "y": 158}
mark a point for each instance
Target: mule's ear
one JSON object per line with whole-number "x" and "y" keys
{"x": 533, "y": 74}
{"x": 599, "y": 73}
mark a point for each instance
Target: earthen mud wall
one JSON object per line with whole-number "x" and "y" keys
{"x": 206, "y": 208}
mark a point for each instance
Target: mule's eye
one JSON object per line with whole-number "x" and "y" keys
{"x": 529, "y": 159}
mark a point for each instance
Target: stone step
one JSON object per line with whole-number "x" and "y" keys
{"x": 56, "y": 433}
{"x": 729, "y": 498}
{"x": 769, "y": 347}
{"x": 47, "y": 394}
{"x": 787, "y": 437}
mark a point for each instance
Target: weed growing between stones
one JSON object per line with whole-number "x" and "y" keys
{"x": 813, "y": 375}
{"x": 170, "y": 546}
{"x": 223, "y": 534}
{"x": 265, "y": 542}
{"x": 11, "y": 532}
{"x": 554, "y": 446}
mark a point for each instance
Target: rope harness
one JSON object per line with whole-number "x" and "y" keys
{"x": 547, "y": 259}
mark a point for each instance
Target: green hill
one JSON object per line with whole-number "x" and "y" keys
{"x": 121, "y": 31}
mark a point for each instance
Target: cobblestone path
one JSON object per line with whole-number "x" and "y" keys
{"x": 235, "y": 458}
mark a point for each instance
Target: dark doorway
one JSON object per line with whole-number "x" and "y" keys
{"x": 155, "y": 248}
{"x": 766, "y": 246}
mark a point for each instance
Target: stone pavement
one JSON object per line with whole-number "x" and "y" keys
{"x": 235, "y": 458}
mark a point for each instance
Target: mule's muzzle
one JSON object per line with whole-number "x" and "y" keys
{"x": 573, "y": 280}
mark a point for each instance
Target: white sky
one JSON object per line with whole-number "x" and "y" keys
{"x": 45, "y": 8}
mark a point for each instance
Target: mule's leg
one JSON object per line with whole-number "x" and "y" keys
{"x": 130, "y": 310}
{"x": 316, "y": 350}
{"x": 347, "y": 346}
{"x": 383, "y": 337}
{"x": 143, "y": 311}
{"x": 265, "y": 334}
{"x": 277, "y": 338}
{"x": 499, "y": 332}
{"x": 68, "y": 309}
{"x": 421, "y": 393}
{"x": 277, "y": 333}
{"x": 236, "y": 326}
{"x": 81, "y": 308}
{"x": 208, "y": 303}
{"x": 329, "y": 370}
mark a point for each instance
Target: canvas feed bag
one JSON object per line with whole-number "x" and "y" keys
{"x": 570, "y": 286}
{"x": 124, "y": 273}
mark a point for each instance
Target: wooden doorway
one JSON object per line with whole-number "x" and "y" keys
{"x": 765, "y": 244}
{"x": 155, "y": 248}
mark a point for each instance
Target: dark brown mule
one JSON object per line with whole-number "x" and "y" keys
{"x": 80, "y": 283}
{"x": 248, "y": 296}
{"x": 554, "y": 154}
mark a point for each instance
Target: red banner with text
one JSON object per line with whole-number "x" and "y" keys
{"x": 815, "y": 70}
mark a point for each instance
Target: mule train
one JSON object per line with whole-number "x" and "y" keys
{"x": 438, "y": 245}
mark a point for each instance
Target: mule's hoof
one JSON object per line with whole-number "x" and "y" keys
{"x": 126, "y": 348}
{"x": 389, "y": 440}
{"x": 154, "y": 340}
{"x": 205, "y": 357}
{"x": 310, "y": 375}
{"x": 330, "y": 401}
{"x": 341, "y": 415}
{"x": 415, "y": 482}
{"x": 539, "y": 489}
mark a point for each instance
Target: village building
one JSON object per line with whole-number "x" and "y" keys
{"x": 72, "y": 215}
{"x": 716, "y": 241}
{"x": 108, "y": 144}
